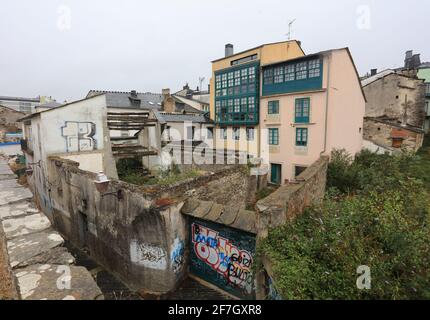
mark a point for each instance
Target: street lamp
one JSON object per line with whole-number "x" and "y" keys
{"x": 102, "y": 185}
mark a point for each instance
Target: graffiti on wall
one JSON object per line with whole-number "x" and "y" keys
{"x": 148, "y": 255}
{"x": 224, "y": 259}
{"x": 177, "y": 255}
{"x": 79, "y": 136}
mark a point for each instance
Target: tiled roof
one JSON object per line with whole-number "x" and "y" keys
{"x": 164, "y": 117}
{"x": 118, "y": 99}
{"x": 376, "y": 77}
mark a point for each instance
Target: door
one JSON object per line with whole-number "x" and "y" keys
{"x": 275, "y": 173}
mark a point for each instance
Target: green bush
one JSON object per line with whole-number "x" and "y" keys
{"x": 376, "y": 213}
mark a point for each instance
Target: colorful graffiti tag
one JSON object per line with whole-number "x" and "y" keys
{"x": 228, "y": 257}
{"x": 177, "y": 255}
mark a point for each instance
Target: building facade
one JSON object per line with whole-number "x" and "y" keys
{"x": 283, "y": 106}
{"x": 235, "y": 93}
{"x": 26, "y": 105}
{"x": 309, "y": 106}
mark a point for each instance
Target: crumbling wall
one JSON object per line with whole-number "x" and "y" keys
{"x": 139, "y": 235}
{"x": 397, "y": 97}
{"x": 382, "y": 134}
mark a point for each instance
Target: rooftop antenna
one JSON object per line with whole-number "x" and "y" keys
{"x": 290, "y": 28}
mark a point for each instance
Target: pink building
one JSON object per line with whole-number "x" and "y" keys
{"x": 309, "y": 106}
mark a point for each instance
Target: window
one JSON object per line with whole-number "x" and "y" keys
{"x": 244, "y": 73}
{"x": 243, "y": 60}
{"x": 314, "y": 68}
{"x": 231, "y": 79}
{"x": 251, "y": 75}
{"x": 273, "y": 107}
{"x": 230, "y": 106}
{"x": 279, "y": 75}
{"x": 302, "y": 110}
{"x": 298, "y": 170}
{"x": 250, "y": 133}
{"x": 237, "y": 78}
{"x": 223, "y": 133}
{"x": 236, "y": 133}
{"x": 290, "y": 74}
{"x": 268, "y": 76}
{"x": 301, "y": 137}
{"x": 273, "y": 136}
{"x": 301, "y": 70}
{"x": 236, "y": 105}
{"x": 224, "y": 80}
{"x": 251, "y": 104}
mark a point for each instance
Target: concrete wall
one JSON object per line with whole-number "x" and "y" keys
{"x": 79, "y": 127}
{"x": 142, "y": 238}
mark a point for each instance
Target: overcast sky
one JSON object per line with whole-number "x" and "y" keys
{"x": 65, "y": 48}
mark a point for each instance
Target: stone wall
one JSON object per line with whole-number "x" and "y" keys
{"x": 8, "y": 287}
{"x": 142, "y": 237}
{"x": 381, "y": 133}
{"x": 395, "y": 96}
{"x": 283, "y": 206}
{"x": 9, "y": 119}
{"x": 290, "y": 200}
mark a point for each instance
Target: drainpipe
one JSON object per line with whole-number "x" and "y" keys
{"x": 326, "y": 104}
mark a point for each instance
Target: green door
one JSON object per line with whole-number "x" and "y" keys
{"x": 275, "y": 173}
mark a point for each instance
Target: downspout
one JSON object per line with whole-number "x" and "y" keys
{"x": 326, "y": 104}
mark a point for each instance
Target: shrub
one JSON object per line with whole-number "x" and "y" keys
{"x": 375, "y": 213}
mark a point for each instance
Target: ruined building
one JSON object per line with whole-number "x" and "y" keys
{"x": 395, "y": 113}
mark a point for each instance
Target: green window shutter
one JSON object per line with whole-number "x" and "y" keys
{"x": 302, "y": 110}
{"x": 302, "y": 137}
{"x": 274, "y": 136}
{"x": 273, "y": 107}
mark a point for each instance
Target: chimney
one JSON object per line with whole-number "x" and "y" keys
{"x": 229, "y": 50}
{"x": 408, "y": 58}
{"x": 169, "y": 105}
{"x": 165, "y": 92}
{"x": 373, "y": 72}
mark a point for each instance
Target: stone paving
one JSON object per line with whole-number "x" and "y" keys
{"x": 44, "y": 269}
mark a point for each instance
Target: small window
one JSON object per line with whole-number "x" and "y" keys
{"x": 273, "y": 107}
{"x": 268, "y": 76}
{"x": 302, "y": 110}
{"x": 314, "y": 68}
{"x": 301, "y": 137}
{"x": 250, "y": 133}
{"x": 273, "y": 136}
{"x": 301, "y": 70}
{"x": 298, "y": 170}
{"x": 279, "y": 75}
{"x": 236, "y": 133}
{"x": 290, "y": 74}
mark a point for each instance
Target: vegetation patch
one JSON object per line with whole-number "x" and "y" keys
{"x": 375, "y": 213}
